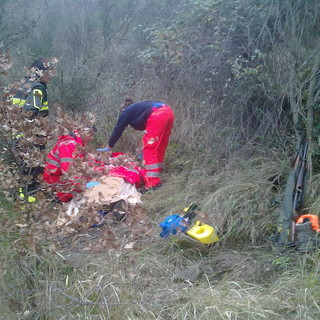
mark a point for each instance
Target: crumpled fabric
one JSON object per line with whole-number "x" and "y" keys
{"x": 130, "y": 173}
{"x": 110, "y": 190}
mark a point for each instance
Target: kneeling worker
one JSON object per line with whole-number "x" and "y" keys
{"x": 62, "y": 156}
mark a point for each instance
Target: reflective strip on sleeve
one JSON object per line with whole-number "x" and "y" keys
{"x": 66, "y": 160}
{"x": 154, "y": 166}
{"x": 18, "y": 102}
{"x": 45, "y": 106}
{"x": 153, "y": 174}
{"x": 53, "y": 162}
{"x": 38, "y": 93}
{"x": 56, "y": 155}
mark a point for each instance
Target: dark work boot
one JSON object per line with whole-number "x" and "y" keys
{"x": 119, "y": 211}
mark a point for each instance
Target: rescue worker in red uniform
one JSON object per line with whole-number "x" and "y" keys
{"x": 61, "y": 157}
{"x": 156, "y": 119}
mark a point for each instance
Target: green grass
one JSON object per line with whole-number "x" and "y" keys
{"x": 139, "y": 285}
{"x": 70, "y": 282}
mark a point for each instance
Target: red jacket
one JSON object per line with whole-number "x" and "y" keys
{"x": 59, "y": 160}
{"x": 60, "y": 157}
{"x": 130, "y": 172}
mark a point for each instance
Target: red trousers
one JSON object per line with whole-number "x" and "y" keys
{"x": 155, "y": 141}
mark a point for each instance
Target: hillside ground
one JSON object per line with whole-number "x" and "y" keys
{"x": 127, "y": 271}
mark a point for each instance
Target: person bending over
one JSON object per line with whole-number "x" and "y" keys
{"x": 156, "y": 119}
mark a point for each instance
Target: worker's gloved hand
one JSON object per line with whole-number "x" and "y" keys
{"x": 92, "y": 184}
{"x": 139, "y": 156}
{"x": 104, "y": 149}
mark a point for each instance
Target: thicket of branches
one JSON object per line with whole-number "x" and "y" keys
{"x": 238, "y": 74}
{"x": 246, "y": 68}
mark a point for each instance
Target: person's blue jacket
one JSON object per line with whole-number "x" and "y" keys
{"x": 135, "y": 115}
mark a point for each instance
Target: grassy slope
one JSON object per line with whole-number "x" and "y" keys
{"x": 244, "y": 277}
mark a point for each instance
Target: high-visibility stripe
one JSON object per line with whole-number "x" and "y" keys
{"x": 18, "y": 102}
{"x": 66, "y": 159}
{"x": 55, "y": 154}
{"x": 17, "y": 135}
{"x": 57, "y": 162}
{"x": 37, "y": 93}
{"x": 154, "y": 166}
{"x": 132, "y": 170}
{"x": 53, "y": 162}
{"x": 30, "y": 198}
{"x": 35, "y": 104}
{"x": 153, "y": 174}
{"x": 66, "y": 142}
{"x": 45, "y": 106}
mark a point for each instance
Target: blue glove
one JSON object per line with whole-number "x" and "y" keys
{"x": 104, "y": 149}
{"x": 172, "y": 224}
{"x": 92, "y": 184}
